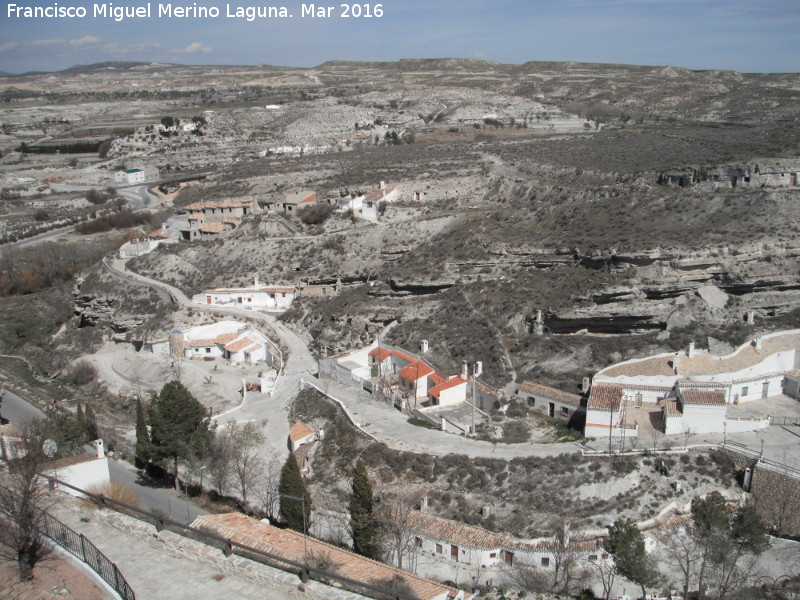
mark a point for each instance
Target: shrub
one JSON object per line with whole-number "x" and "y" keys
{"x": 117, "y": 491}
{"x": 82, "y": 372}
{"x": 316, "y": 214}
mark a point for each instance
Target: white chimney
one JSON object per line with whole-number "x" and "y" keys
{"x": 383, "y": 185}
{"x": 464, "y": 370}
{"x": 751, "y": 317}
{"x": 255, "y": 282}
{"x": 101, "y": 451}
{"x": 423, "y": 508}
{"x": 758, "y": 343}
{"x": 478, "y": 368}
{"x": 690, "y": 353}
{"x": 423, "y": 346}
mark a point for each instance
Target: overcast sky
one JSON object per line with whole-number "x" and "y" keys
{"x": 742, "y": 35}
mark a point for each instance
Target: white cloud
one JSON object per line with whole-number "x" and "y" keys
{"x": 196, "y": 47}
{"x": 50, "y": 42}
{"x": 86, "y": 40}
{"x": 8, "y": 46}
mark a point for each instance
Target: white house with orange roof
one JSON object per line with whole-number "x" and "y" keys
{"x": 370, "y": 206}
{"x": 296, "y": 201}
{"x": 695, "y": 411}
{"x": 257, "y": 297}
{"x": 760, "y": 369}
{"x": 300, "y": 434}
{"x": 236, "y": 342}
{"x": 449, "y": 392}
{"x": 605, "y": 412}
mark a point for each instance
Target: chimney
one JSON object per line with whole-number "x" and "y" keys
{"x": 585, "y": 384}
{"x": 690, "y": 353}
{"x": 255, "y": 282}
{"x": 751, "y": 317}
{"x": 758, "y": 343}
{"x": 101, "y": 451}
{"x": 478, "y": 368}
{"x": 423, "y": 507}
{"x": 383, "y": 185}
{"x": 423, "y": 346}
{"x": 464, "y": 370}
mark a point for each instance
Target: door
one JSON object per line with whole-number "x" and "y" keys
{"x": 638, "y": 401}
{"x": 509, "y": 557}
{"x": 208, "y": 299}
{"x": 454, "y": 552}
{"x": 551, "y": 409}
{"x": 765, "y": 389}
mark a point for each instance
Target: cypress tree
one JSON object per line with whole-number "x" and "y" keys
{"x": 291, "y": 510}
{"x": 364, "y": 526}
{"x": 179, "y": 425}
{"x": 81, "y": 418}
{"x": 142, "y": 437}
{"x": 91, "y": 423}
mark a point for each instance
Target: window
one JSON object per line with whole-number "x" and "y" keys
{"x": 745, "y": 389}
{"x": 493, "y": 555}
{"x": 531, "y": 401}
{"x": 564, "y": 411}
{"x": 593, "y": 558}
{"x": 208, "y": 350}
{"x": 418, "y": 542}
{"x": 545, "y": 561}
{"x": 438, "y": 548}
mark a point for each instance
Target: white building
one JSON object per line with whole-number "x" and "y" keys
{"x": 84, "y": 471}
{"x": 130, "y": 176}
{"x": 230, "y": 340}
{"x": 549, "y": 401}
{"x": 371, "y": 205}
{"x": 257, "y": 297}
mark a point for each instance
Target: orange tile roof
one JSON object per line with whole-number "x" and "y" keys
{"x": 603, "y": 396}
{"x": 212, "y": 227}
{"x": 446, "y": 385}
{"x": 380, "y": 353}
{"x": 436, "y": 378}
{"x": 672, "y": 409}
{"x": 293, "y": 545}
{"x": 551, "y": 393}
{"x": 241, "y": 344}
{"x": 438, "y": 528}
{"x": 703, "y": 397}
{"x": 414, "y": 371}
{"x": 379, "y": 194}
{"x": 299, "y": 431}
{"x": 195, "y": 206}
{"x": 222, "y": 338}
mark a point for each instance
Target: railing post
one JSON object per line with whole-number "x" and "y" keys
{"x": 117, "y": 585}
{"x": 83, "y": 548}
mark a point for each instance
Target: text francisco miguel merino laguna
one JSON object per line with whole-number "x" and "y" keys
{"x": 108, "y": 10}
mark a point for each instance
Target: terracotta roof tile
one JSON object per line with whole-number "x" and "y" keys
{"x": 415, "y": 370}
{"x": 551, "y": 393}
{"x": 446, "y": 385}
{"x": 237, "y": 345}
{"x": 380, "y": 354}
{"x": 290, "y": 545}
{"x": 603, "y": 396}
{"x": 671, "y": 408}
{"x": 299, "y": 431}
{"x": 703, "y": 397}
{"x": 212, "y": 227}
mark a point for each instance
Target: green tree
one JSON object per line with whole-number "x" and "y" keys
{"x": 363, "y": 522}
{"x": 290, "y": 488}
{"x": 179, "y": 425}
{"x": 168, "y": 122}
{"x": 142, "y": 437}
{"x": 626, "y": 545}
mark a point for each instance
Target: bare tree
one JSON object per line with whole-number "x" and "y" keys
{"x": 245, "y": 442}
{"x": 218, "y": 462}
{"x": 567, "y": 561}
{"x": 395, "y": 515}
{"x": 23, "y": 501}
{"x": 606, "y": 572}
{"x": 682, "y": 554}
{"x": 266, "y": 488}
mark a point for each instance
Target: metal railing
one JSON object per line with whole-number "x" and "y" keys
{"x": 304, "y": 570}
{"x": 85, "y": 550}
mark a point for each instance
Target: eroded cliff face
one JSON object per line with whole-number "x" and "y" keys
{"x": 665, "y": 288}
